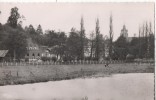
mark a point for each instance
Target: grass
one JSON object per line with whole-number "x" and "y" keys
{"x": 43, "y": 73}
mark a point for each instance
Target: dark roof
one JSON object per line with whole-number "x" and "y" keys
{"x": 3, "y": 53}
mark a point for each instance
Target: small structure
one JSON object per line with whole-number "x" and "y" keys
{"x": 34, "y": 51}
{"x": 89, "y": 51}
{"x": 3, "y": 54}
{"x": 124, "y": 32}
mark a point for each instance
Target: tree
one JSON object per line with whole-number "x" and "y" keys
{"x": 82, "y": 38}
{"x": 62, "y": 38}
{"x": 139, "y": 43}
{"x": 15, "y": 42}
{"x": 134, "y": 47}
{"x": 73, "y": 45}
{"x": 52, "y": 38}
{"x": 110, "y": 36}
{"x": 39, "y": 30}
{"x": 121, "y": 48}
{"x": 13, "y": 18}
{"x": 92, "y": 40}
{"x": 97, "y": 40}
{"x": 31, "y": 30}
{"x": 151, "y": 41}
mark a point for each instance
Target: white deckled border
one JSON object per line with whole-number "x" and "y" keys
{"x": 42, "y": 1}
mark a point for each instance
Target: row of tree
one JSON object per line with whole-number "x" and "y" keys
{"x": 14, "y": 38}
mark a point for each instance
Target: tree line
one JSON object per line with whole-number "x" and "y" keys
{"x": 13, "y": 37}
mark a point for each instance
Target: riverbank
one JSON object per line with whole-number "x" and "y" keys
{"x": 131, "y": 86}
{"x": 43, "y": 73}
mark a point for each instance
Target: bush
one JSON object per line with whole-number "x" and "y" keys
{"x": 45, "y": 58}
{"x": 54, "y": 59}
{"x": 87, "y": 58}
{"x": 129, "y": 58}
{"x": 26, "y": 59}
{"x": 67, "y": 58}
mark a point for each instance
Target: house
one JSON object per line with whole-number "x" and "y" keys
{"x": 34, "y": 51}
{"x": 3, "y": 53}
{"x": 89, "y": 50}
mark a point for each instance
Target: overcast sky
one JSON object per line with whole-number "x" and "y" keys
{"x": 64, "y": 16}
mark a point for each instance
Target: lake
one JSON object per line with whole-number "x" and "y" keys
{"x": 133, "y": 86}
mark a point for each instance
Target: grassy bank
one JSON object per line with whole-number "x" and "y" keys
{"x": 43, "y": 73}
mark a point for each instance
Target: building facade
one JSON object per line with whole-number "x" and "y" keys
{"x": 124, "y": 32}
{"x": 35, "y": 51}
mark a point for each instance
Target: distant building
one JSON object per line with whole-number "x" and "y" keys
{"x": 3, "y": 53}
{"x": 35, "y": 51}
{"x": 124, "y": 33}
{"x": 87, "y": 50}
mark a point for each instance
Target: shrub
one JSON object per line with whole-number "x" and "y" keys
{"x": 45, "y": 58}
{"x": 130, "y": 58}
{"x": 54, "y": 59}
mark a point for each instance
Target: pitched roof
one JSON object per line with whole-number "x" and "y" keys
{"x": 3, "y": 53}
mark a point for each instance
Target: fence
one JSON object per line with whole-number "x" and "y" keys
{"x": 69, "y": 63}
{"x": 59, "y": 63}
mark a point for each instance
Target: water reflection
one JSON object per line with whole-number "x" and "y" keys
{"x": 138, "y": 86}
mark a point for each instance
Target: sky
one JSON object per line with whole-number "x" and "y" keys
{"x": 64, "y": 16}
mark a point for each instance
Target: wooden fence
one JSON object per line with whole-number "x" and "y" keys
{"x": 59, "y": 63}
{"x": 69, "y": 63}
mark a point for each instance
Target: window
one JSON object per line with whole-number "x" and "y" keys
{"x": 28, "y": 54}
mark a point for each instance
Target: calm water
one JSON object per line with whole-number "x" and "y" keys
{"x": 138, "y": 86}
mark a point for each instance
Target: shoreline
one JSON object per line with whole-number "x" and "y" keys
{"x": 68, "y": 72}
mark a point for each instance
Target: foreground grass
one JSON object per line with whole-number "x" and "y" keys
{"x": 43, "y": 73}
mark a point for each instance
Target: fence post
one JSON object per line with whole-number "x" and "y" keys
{"x": 17, "y": 73}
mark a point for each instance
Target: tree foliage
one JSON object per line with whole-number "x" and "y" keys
{"x": 73, "y": 45}
{"x": 120, "y": 48}
{"x": 14, "y": 41}
{"x": 13, "y": 18}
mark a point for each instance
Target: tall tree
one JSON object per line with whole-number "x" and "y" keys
{"x": 97, "y": 30}
{"x": 39, "y": 30}
{"x": 121, "y": 49}
{"x": 139, "y": 42}
{"x": 147, "y": 41}
{"x": 82, "y": 38}
{"x": 31, "y": 30}
{"x": 92, "y": 39}
{"x": 73, "y": 45}
{"x": 110, "y": 36}
{"x": 15, "y": 42}
{"x": 151, "y": 41}
{"x": 13, "y": 18}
